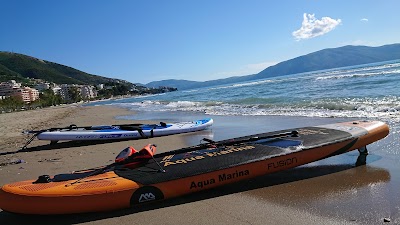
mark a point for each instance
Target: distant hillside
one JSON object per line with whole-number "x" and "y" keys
{"x": 320, "y": 60}
{"x": 333, "y": 58}
{"x": 19, "y": 67}
{"x": 187, "y": 84}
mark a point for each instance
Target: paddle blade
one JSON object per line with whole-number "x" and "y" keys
{"x": 125, "y": 154}
{"x": 130, "y": 158}
{"x": 147, "y": 152}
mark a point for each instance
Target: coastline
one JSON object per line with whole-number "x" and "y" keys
{"x": 330, "y": 191}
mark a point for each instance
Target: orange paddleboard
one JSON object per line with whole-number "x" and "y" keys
{"x": 188, "y": 170}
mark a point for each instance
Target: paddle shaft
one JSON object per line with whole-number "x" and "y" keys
{"x": 229, "y": 142}
{"x": 133, "y": 126}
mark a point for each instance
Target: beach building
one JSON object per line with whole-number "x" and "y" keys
{"x": 32, "y": 93}
{"x": 42, "y": 86}
{"x": 7, "y": 87}
{"x": 12, "y": 88}
{"x": 100, "y": 86}
{"x": 65, "y": 91}
{"x": 88, "y": 92}
{"x": 56, "y": 90}
{"x": 85, "y": 91}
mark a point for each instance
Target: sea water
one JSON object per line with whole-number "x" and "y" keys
{"x": 370, "y": 91}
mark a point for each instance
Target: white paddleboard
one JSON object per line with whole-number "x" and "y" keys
{"x": 116, "y": 132}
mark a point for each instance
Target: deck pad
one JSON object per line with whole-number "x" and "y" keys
{"x": 209, "y": 159}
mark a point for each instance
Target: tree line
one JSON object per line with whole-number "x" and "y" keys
{"x": 49, "y": 98}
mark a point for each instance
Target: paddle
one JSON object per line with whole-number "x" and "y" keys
{"x": 73, "y": 126}
{"x": 134, "y": 159}
{"x": 128, "y": 127}
{"x": 234, "y": 141}
{"x": 293, "y": 133}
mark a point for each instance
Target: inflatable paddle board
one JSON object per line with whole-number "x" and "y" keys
{"x": 137, "y": 178}
{"x": 127, "y": 131}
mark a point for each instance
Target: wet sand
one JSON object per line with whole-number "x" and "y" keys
{"x": 330, "y": 191}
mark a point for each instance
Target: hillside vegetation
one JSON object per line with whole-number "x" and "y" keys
{"x": 14, "y": 66}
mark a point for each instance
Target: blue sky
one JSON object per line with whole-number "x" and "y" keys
{"x": 144, "y": 41}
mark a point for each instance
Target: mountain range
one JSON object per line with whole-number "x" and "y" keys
{"x": 321, "y": 60}
{"x": 19, "y": 67}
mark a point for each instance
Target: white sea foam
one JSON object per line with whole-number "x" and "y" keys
{"x": 384, "y": 108}
{"x": 253, "y": 83}
{"x": 190, "y": 91}
{"x": 340, "y": 76}
{"x": 359, "y": 69}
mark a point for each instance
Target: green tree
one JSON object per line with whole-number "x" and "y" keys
{"x": 48, "y": 98}
{"x": 11, "y": 103}
{"x": 75, "y": 94}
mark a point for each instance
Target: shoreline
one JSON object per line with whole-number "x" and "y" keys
{"x": 330, "y": 191}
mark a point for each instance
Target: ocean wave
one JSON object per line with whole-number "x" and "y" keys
{"x": 190, "y": 91}
{"x": 252, "y": 83}
{"x": 374, "y": 95}
{"x": 279, "y": 79}
{"x": 385, "y": 107}
{"x": 358, "y": 69}
{"x": 352, "y": 75}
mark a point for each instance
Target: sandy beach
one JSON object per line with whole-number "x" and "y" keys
{"x": 331, "y": 191}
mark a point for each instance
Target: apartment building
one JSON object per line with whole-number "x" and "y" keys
{"x": 33, "y": 93}
{"x": 88, "y": 92}
{"x": 85, "y": 91}
{"x": 12, "y": 88}
{"x": 27, "y": 94}
{"x": 65, "y": 91}
{"x": 42, "y": 86}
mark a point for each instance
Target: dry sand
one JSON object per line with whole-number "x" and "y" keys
{"x": 64, "y": 156}
{"x": 283, "y": 198}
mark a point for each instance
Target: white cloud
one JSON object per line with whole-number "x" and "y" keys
{"x": 364, "y": 20}
{"x": 311, "y": 27}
